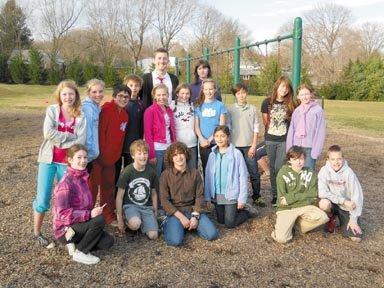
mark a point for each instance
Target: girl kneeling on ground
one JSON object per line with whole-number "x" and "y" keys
{"x": 76, "y": 222}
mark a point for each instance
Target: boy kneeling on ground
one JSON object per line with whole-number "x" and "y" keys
{"x": 181, "y": 195}
{"x": 341, "y": 195}
{"x": 297, "y": 194}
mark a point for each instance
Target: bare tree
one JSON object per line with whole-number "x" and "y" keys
{"x": 324, "y": 31}
{"x": 372, "y": 35}
{"x": 103, "y": 18}
{"x": 58, "y": 17}
{"x": 134, "y": 23}
{"x": 206, "y": 28}
{"x": 171, "y": 17}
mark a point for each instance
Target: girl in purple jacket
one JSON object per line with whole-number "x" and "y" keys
{"x": 76, "y": 222}
{"x": 307, "y": 127}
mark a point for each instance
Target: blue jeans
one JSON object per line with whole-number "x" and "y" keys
{"x": 160, "y": 165}
{"x": 229, "y": 215}
{"x": 309, "y": 161}
{"x": 45, "y": 176}
{"x": 174, "y": 230}
{"x": 253, "y": 170}
{"x": 276, "y": 154}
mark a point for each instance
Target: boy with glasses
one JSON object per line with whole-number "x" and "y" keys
{"x": 112, "y": 124}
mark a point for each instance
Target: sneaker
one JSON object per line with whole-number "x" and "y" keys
{"x": 273, "y": 201}
{"x": 259, "y": 202}
{"x": 329, "y": 227}
{"x": 70, "y": 248}
{"x": 251, "y": 210}
{"x": 44, "y": 242}
{"x": 88, "y": 259}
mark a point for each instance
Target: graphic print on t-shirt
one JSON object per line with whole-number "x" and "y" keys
{"x": 139, "y": 191}
{"x": 278, "y": 123}
{"x": 184, "y": 116}
{"x": 208, "y": 112}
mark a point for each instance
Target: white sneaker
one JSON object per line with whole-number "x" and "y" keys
{"x": 71, "y": 248}
{"x": 88, "y": 259}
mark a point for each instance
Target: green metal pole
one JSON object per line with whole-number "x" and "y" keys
{"x": 206, "y": 53}
{"x": 177, "y": 72}
{"x": 236, "y": 61}
{"x": 296, "y": 61}
{"x": 188, "y": 67}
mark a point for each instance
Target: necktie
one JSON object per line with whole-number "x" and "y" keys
{"x": 161, "y": 79}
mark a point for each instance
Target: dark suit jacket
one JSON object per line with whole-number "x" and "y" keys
{"x": 146, "y": 90}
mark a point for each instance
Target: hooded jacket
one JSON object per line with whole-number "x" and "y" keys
{"x": 299, "y": 189}
{"x": 53, "y": 137}
{"x": 315, "y": 129}
{"x": 237, "y": 176}
{"x": 113, "y": 121}
{"x": 340, "y": 186}
{"x": 91, "y": 111}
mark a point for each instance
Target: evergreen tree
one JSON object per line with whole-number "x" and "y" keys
{"x": 270, "y": 72}
{"x": 90, "y": 70}
{"x": 75, "y": 71}
{"x": 110, "y": 76}
{"x": 18, "y": 70}
{"x": 14, "y": 33}
{"x": 55, "y": 75}
{"x": 35, "y": 66}
{"x": 4, "y": 71}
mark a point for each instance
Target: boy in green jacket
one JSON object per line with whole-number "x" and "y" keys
{"x": 297, "y": 193}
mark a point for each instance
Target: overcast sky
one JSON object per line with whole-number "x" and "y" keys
{"x": 264, "y": 18}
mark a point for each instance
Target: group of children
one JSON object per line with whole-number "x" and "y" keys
{"x": 100, "y": 140}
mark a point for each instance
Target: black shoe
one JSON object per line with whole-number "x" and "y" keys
{"x": 252, "y": 212}
{"x": 273, "y": 202}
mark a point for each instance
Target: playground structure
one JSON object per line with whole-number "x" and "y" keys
{"x": 296, "y": 36}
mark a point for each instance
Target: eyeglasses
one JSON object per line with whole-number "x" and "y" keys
{"x": 122, "y": 97}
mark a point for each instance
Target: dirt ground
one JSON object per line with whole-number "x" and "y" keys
{"x": 242, "y": 257}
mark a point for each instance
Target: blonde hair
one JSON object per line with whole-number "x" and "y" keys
{"x": 94, "y": 82}
{"x": 158, "y": 87}
{"x": 138, "y": 145}
{"x": 76, "y": 109}
{"x": 200, "y": 100}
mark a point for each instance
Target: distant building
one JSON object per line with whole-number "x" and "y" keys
{"x": 44, "y": 57}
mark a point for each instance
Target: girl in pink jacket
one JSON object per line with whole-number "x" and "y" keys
{"x": 159, "y": 127}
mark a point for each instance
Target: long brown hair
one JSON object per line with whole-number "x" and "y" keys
{"x": 288, "y": 102}
{"x": 178, "y": 88}
{"x": 200, "y": 100}
{"x": 76, "y": 110}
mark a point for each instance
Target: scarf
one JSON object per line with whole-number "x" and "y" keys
{"x": 301, "y": 125}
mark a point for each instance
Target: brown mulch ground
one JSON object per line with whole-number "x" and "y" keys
{"x": 242, "y": 257}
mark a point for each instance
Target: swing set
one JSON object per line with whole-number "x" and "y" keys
{"x": 296, "y": 36}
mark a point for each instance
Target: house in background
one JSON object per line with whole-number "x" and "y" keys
{"x": 45, "y": 60}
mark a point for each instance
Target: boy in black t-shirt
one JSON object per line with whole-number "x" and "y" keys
{"x": 136, "y": 194}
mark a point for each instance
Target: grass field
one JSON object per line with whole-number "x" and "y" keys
{"x": 367, "y": 118}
